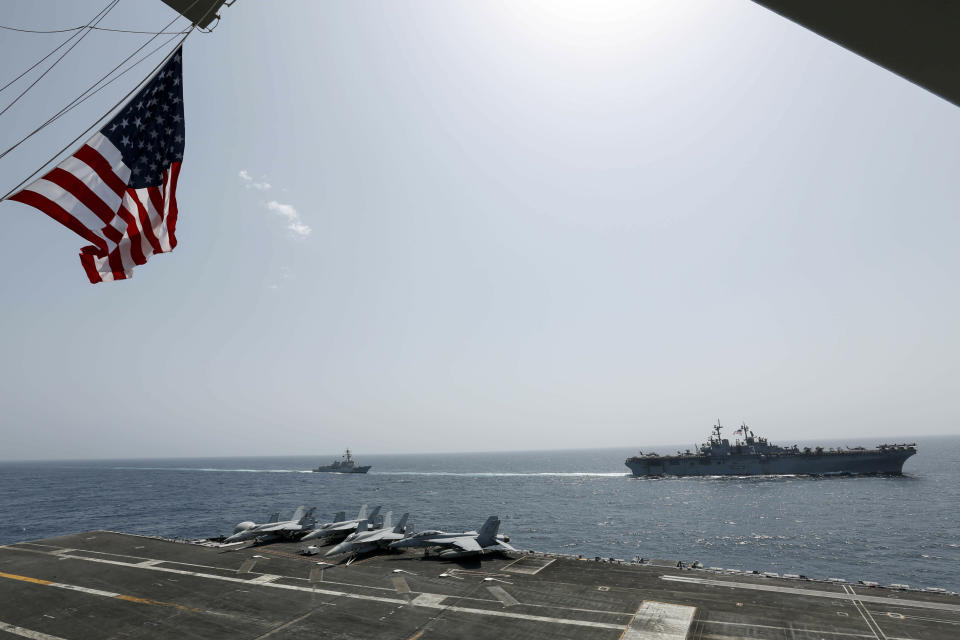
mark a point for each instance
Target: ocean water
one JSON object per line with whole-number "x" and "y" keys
{"x": 889, "y": 529}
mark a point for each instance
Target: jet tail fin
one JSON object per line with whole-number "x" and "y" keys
{"x": 362, "y": 513}
{"x": 402, "y": 525}
{"x": 373, "y": 514}
{"x": 361, "y": 526}
{"x": 274, "y": 517}
{"x": 340, "y": 516}
{"x": 387, "y": 521}
{"x": 307, "y": 518}
{"x": 488, "y": 532}
{"x": 298, "y": 513}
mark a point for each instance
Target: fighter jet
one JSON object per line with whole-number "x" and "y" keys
{"x": 365, "y": 541}
{"x": 274, "y": 529}
{"x": 458, "y": 545}
{"x": 340, "y": 528}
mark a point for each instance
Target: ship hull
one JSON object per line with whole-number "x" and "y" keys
{"x": 852, "y": 463}
{"x": 354, "y": 470}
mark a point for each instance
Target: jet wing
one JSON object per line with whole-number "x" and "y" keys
{"x": 280, "y": 526}
{"x": 499, "y": 546}
{"x": 465, "y": 544}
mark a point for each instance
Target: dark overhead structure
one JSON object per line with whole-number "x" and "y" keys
{"x": 199, "y": 12}
{"x": 916, "y": 39}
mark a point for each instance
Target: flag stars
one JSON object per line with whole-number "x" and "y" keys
{"x": 138, "y": 123}
{"x": 177, "y": 118}
{"x": 125, "y": 141}
{"x": 124, "y": 122}
{"x": 140, "y": 105}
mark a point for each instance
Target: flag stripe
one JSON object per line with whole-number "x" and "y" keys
{"x": 58, "y": 213}
{"x": 102, "y": 145}
{"x": 72, "y": 185}
{"x": 159, "y": 226}
{"x": 87, "y": 259}
{"x": 133, "y": 231}
{"x": 146, "y": 226}
{"x": 92, "y": 181}
{"x": 172, "y": 203}
{"x": 102, "y": 168}
{"x": 68, "y": 203}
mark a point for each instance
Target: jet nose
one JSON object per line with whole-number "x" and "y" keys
{"x": 335, "y": 551}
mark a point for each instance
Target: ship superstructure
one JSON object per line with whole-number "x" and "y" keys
{"x": 754, "y": 455}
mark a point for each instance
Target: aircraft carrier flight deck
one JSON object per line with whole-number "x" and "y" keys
{"x": 112, "y": 585}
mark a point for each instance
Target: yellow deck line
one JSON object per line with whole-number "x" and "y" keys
{"x": 95, "y": 592}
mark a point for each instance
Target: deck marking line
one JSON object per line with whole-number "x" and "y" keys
{"x": 500, "y": 594}
{"x": 428, "y": 599}
{"x": 267, "y": 577}
{"x": 400, "y": 585}
{"x": 890, "y": 602}
{"x": 284, "y": 626}
{"x": 767, "y": 626}
{"x": 417, "y": 635}
{"x": 27, "y": 633}
{"x": 526, "y": 570}
{"x": 13, "y": 576}
{"x": 660, "y": 621}
{"x": 867, "y": 617}
{"x": 360, "y": 596}
{"x": 95, "y": 592}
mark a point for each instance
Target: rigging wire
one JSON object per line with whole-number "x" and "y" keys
{"x": 100, "y": 16}
{"x": 92, "y": 89}
{"x": 108, "y": 112}
{"x": 38, "y": 62}
{"x": 164, "y": 33}
{"x": 80, "y": 99}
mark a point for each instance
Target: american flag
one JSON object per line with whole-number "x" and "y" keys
{"x": 118, "y": 191}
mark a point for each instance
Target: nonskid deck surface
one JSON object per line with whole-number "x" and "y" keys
{"x": 111, "y": 585}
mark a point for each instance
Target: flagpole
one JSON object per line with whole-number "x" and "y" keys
{"x": 103, "y": 117}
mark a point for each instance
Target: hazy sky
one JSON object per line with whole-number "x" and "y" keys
{"x": 456, "y": 226}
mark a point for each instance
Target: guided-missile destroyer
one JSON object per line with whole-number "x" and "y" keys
{"x": 754, "y": 456}
{"x": 347, "y": 465}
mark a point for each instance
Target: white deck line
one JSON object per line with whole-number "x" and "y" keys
{"x": 27, "y": 633}
{"x": 875, "y": 629}
{"x": 660, "y": 621}
{"x": 814, "y": 593}
{"x": 510, "y": 568}
{"x": 343, "y": 594}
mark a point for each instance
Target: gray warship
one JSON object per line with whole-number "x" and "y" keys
{"x": 347, "y": 465}
{"x": 754, "y": 456}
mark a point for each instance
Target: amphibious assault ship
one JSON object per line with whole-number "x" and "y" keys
{"x": 755, "y": 456}
{"x": 347, "y": 465}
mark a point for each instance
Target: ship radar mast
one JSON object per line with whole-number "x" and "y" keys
{"x": 347, "y": 455}
{"x": 716, "y": 437}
